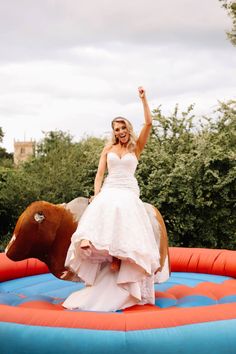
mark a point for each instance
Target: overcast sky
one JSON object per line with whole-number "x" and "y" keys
{"x": 74, "y": 65}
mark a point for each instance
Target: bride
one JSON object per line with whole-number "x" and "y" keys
{"x": 114, "y": 250}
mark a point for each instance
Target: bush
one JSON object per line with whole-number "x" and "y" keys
{"x": 187, "y": 170}
{"x": 61, "y": 172}
{"x": 190, "y": 175}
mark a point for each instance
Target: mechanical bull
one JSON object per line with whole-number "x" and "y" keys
{"x": 44, "y": 231}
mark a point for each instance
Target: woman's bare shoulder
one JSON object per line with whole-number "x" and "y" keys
{"x": 106, "y": 149}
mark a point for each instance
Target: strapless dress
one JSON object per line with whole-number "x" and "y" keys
{"x": 117, "y": 225}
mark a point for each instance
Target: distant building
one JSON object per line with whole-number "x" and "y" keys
{"x": 23, "y": 150}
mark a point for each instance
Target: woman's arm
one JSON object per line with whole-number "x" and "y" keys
{"x": 145, "y": 132}
{"x": 100, "y": 171}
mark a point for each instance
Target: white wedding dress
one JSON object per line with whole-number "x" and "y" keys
{"x": 117, "y": 224}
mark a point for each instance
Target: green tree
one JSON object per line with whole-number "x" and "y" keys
{"x": 64, "y": 170}
{"x": 61, "y": 171}
{"x": 1, "y": 135}
{"x": 17, "y": 190}
{"x": 187, "y": 170}
{"x": 189, "y": 173}
{"x": 52, "y": 141}
{"x": 6, "y": 159}
{"x": 230, "y": 7}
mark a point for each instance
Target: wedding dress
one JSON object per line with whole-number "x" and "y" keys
{"x": 117, "y": 225}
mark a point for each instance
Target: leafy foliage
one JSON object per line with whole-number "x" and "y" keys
{"x": 6, "y": 159}
{"x": 190, "y": 174}
{"x": 230, "y": 7}
{"x": 187, "y": 170}
{"x": 61, "y": 171}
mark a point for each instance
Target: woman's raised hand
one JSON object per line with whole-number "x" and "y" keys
{"x": 141, "y": 92}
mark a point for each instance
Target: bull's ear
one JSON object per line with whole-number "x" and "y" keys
{"x": 39, "y": 217}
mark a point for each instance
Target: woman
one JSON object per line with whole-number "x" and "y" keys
{"x": 114, "y": 250}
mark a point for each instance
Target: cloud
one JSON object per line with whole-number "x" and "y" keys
{"x": 74, "y": 65}
{"x": 46, "y": 28}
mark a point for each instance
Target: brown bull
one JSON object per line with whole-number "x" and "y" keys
{"x": 44, "y": 231}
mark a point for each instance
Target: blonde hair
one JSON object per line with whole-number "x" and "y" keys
{"x": 132, "y": 137}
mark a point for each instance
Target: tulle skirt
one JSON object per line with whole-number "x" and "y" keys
{"x": 117, "y": 225}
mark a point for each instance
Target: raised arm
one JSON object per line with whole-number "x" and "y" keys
{"x": 145, "y": 132}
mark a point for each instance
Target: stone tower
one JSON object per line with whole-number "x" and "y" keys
{"x": 23, "y": 150}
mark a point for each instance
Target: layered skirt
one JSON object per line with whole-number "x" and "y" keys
{"x": 117, "y": 225}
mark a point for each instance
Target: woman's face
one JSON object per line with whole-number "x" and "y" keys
{"x": 121, "y": 132}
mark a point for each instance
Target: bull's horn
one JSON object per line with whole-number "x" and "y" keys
{"x": 39, "y": 217}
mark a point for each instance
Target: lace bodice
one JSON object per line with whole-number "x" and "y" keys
{"x": 121, "y": 171}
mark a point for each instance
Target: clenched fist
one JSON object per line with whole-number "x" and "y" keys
{"x": 141, "y": 92}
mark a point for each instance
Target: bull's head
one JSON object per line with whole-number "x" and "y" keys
{"x": 44, "y": 231}
{"x": 35, "y": 231}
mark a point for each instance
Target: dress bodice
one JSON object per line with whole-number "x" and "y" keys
{"x": 121, "y": 172}
{"x": 125, "y": 165}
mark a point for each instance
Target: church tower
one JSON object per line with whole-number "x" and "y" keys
{"x": 23, "y": 150}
